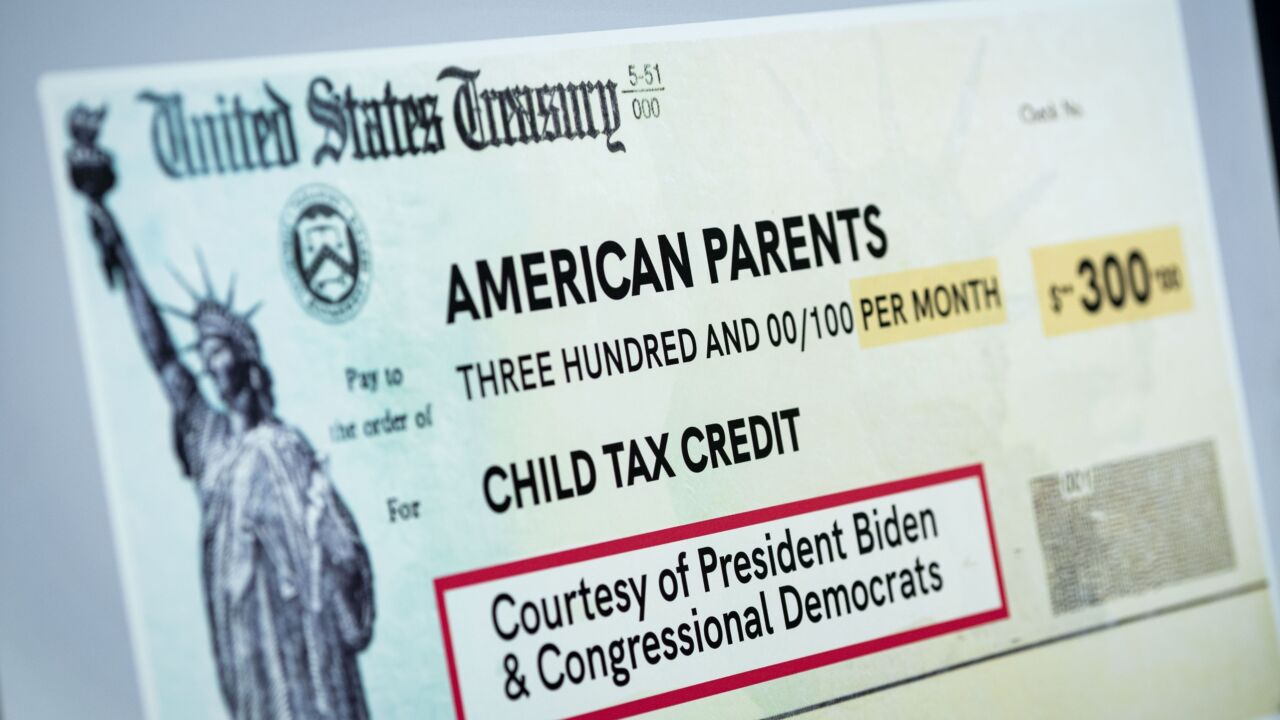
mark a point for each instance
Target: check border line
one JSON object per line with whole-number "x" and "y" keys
{"x": 1245, "y": 589}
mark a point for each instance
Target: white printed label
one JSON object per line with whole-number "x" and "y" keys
{"x": 645, "y": 622}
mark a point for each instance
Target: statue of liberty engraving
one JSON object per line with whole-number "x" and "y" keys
{"x": 287, "y": 582}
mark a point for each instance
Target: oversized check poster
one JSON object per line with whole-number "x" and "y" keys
{"x": 867, "y": 362}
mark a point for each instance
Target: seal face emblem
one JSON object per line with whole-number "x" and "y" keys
{"x": 325, "y": 250}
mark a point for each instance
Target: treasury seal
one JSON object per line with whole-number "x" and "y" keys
{"x": 325, "y": 250}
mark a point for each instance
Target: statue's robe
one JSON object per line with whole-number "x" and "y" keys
{"x": 287, "y": 581}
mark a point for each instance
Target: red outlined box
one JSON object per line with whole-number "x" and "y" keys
{"x": 732, "y": 522}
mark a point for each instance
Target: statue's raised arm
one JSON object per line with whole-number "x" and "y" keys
{"x": 93, "y": 176}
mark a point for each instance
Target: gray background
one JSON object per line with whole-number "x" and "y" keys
{"x": 64, "y": 649}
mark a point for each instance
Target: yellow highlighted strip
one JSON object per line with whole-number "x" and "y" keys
{"x": 918, "y": 304}
{"x": 1090, "y": 284}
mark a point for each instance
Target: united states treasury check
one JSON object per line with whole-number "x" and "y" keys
{"x": 872, "y": 361}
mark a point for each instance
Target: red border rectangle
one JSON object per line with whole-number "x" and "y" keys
{"x": 721, "y": 524}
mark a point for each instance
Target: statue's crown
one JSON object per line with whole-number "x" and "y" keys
{"x": 216, "y": 319}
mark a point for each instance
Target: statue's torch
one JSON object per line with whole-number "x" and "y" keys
{"x": 93, "y": 176}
